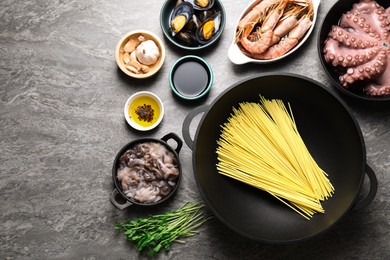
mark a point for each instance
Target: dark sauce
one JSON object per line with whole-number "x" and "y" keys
{"x": 190, "y": 78}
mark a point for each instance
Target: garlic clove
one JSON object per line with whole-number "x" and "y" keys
{"x": 131, "y": 45}
{"x": 135, "y": 64}
{"x": 144, "y": 68}
{"x": 126, "y": 57}
{"x": 132, "y": 69}
{"x": 133, "y": 56}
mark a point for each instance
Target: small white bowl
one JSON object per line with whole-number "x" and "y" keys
{"x": 237, "y": 57}
{"x": 153, "y": 100}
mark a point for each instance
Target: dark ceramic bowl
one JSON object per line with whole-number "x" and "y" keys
{"x": 118, "y": 197}
{"x": 332, "y": 18}
{"x": 165, "y": 18}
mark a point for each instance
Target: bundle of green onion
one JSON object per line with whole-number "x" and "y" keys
{"x": 157, "y": 232}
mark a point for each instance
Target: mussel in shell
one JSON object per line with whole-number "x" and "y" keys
{"x": 209, "y": 28}
{"x": 201, "y": 4}
{"x": 204, "y": 15}
{"x": 180, "y": 17}
{"x": 187, "y": 38}
{"x": 193, "y": 24}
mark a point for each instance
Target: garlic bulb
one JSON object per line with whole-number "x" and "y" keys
{"x": 147, "y": 52}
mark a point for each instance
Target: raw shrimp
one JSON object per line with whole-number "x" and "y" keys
{"x": 287, "y": 23}
{"x": 266, "y": 31}
{"x": 256, "y": 15}
{"x": 287, "y": 43}
{"x": 260, "y": 33}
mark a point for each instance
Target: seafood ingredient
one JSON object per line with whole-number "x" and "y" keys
{"x": 180, "y": 17}
{"x": 273, "y": 27}
{"x": 157, "y": 232}
{"x": 286, "y": 43}
{"x": 147, "y": 52}
{"x": 178, "y": 23}
{"x": 193, "y": 25}
{"x": 209, "y": 27}
{"x": 148, "y": 172}
{"x": 187, "y": 38}
{"x": 201, "y": 4}
{"x": 359, "y": 47}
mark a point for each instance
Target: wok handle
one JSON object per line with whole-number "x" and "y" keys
{"x": 187, "y": 122}
{"x": 373, "y": 189}
{"x": 116, "y": 203}
{"x": 175, "y": 137}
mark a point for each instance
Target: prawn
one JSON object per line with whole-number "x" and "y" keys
{"x": 287, "y": 43}
{"x": 254, "y": 16}
{"x": 287, "y": 23}
{"x": 266, "y": 31}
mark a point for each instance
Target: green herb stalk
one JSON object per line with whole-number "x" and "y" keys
{"x": 157, "y": 232}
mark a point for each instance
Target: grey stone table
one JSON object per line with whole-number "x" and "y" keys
{"x": 61, "y": 125}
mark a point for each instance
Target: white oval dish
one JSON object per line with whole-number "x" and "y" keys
{"x": 134, "y": 124}
{"x": 237, "y": 57}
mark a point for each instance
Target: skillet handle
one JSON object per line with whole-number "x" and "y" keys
{"x": 187, "y": 122}
{"x": 116, "y": 203}
{"x": 373, "y": 189}
{"x": 173, "y": 136}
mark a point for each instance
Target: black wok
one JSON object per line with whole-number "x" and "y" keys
{"x": 331, "y": 134}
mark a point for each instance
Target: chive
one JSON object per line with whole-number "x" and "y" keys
{"x": 157, "y": 232}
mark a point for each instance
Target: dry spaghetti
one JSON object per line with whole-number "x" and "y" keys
{"x": 260, "y": 145}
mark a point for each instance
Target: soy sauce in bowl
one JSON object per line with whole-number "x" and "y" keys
{"x": 191, "y": 77}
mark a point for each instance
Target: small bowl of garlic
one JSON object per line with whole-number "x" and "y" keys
{"x": 140, "y": 54}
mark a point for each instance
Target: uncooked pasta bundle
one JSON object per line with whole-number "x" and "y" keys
{"x": 260, "y": 145}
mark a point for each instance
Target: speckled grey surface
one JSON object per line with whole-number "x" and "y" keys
{"x": 61, "y": 125}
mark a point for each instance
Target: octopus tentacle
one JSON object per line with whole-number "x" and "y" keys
{"x": 368, "y": 71}
{"x": 374, "y": 17}
{"x": 350, "y": 39}
{"x": 346, "y": 57}
{"x": 377, "y": 90}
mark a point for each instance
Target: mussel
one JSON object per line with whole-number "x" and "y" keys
{"x": 187, "y": 38}
{"x": 209, "y": 28}
{"x": 201, "y": 4}
{"x": 204, "y": 15}
{"x": 181, "y": 15}
{"x": 193, "y": 24}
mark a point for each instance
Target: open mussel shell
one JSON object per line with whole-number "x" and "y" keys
{"x": 209, "y": 28}
{"x": 180, "y": 17}
{"x": 201, "y": 4}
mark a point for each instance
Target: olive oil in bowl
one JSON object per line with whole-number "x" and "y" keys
{"x": 144, "y": 110}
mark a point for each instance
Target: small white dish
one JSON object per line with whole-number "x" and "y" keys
{"x": 237, "y": 57}
{"x": 143, "y": 119}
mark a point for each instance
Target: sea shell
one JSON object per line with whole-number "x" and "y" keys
{"x": 201, "y": 4}
{"x": 209, "y": 28}
{"x": 180, "y": 17}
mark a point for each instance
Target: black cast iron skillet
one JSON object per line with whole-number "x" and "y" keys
{"x": 332, "y": 18}
{"x": 118, "y": 189}
{"x": 331, "y": 134}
